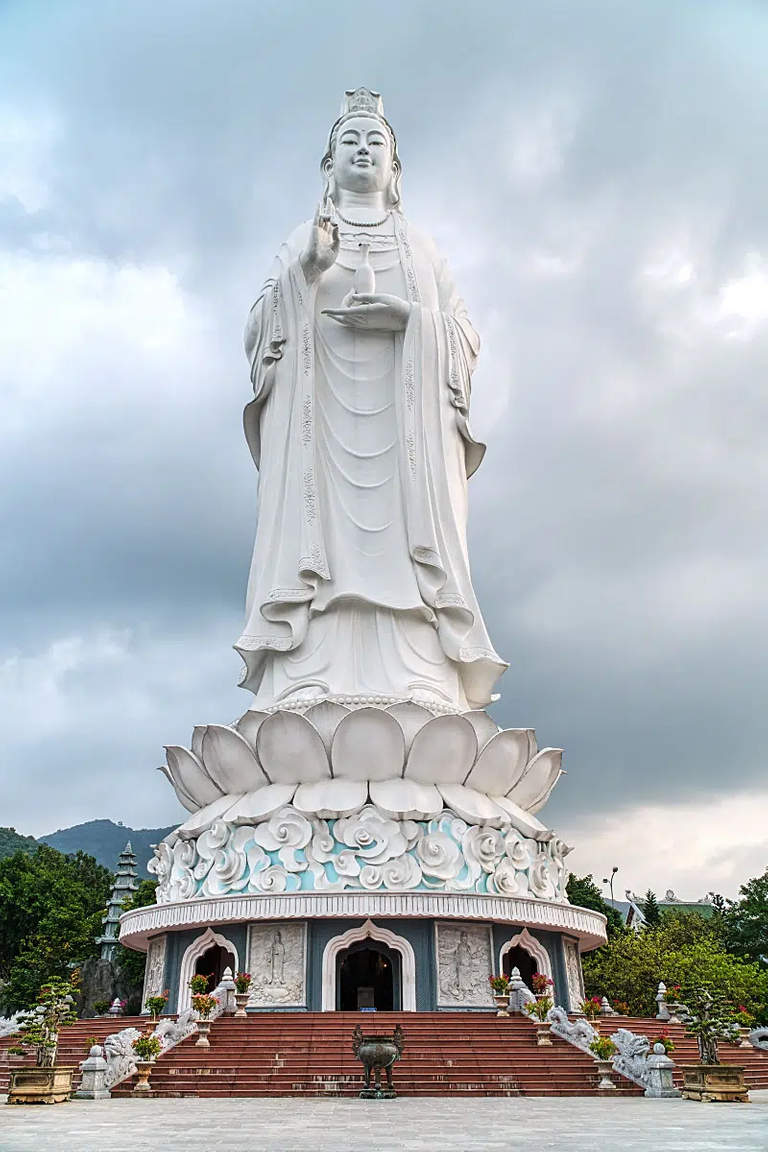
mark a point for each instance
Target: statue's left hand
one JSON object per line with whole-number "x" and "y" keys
{"x": 379, "y": 312}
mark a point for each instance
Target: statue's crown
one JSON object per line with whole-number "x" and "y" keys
{"x": 362, "y": 100}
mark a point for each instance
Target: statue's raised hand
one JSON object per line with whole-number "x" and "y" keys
{"x": 322, "y": 246}
{"x": 378, "y": 311}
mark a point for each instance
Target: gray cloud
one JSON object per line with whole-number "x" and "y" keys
{"x": 594, "y": 174}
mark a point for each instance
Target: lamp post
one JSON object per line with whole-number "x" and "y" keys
{"x": 609, "y": 882}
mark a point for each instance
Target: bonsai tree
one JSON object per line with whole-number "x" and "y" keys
{"x": 41, "y": 1025}
{"x": 711, "y": 1019}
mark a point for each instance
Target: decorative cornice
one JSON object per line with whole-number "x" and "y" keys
{"x": 582, "y": 923}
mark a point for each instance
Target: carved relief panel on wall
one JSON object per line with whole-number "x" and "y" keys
{"x": 277, "y": 964}
{"x": 573, "y": 973}
{"x": 155, "y": 969}
{"x": 463, "y": 966}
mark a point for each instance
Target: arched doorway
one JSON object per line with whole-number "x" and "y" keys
{"x": 212, "y": 964}
{"x": 368, "y": 976}
{"x": 208, "y": 955}
{"x": 398, "y": 951}
{"x": 518, "y": 957}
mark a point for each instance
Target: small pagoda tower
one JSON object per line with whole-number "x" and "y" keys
{"x": 126, "y": 882}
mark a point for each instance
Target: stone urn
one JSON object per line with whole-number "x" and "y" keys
{"x": 502, "y": 1003}
{"x": 714, "y": 1082}
{"x": 203, "y": 1028}
{"x": 34, "y": 1085}
{"x": 376, "y": 1053}
{"x": 241, "y": 1000}
{"x": 604, "y": 1069}
{"x": 143, "y": 1069}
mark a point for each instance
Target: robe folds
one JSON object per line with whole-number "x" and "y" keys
{"x": 360, "y": 581}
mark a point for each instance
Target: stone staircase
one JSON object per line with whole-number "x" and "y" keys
{"x": 446, "y": 1054}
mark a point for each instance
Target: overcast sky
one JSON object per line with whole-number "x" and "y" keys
{"x": 596, "y": 174}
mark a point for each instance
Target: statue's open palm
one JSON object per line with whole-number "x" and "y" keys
{"x": 322, "y": 246}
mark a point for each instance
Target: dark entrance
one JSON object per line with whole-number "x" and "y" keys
{"x": 212, "y": 964}
{"x": 517, "y": 957}
{"x": 368, "y": 976}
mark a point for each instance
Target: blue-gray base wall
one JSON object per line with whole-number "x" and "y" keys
{"x": 419, "y": 933}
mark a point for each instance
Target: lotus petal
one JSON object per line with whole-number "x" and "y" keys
{"x": 501, "y": 763}
{"x": 524, "y": 822}
{"x": 260, "y": 804}
{"x": 183, "y": 797}
{"x": 228, "y": 759}
{"x": 189, "y": 776}
{"x": 197, "y": 740}
{"x": 330, "y": 798}
{"x": 326, "y": 718}
{"x": 406, "y": 799}
{"x": 538, "y": 780}
{"x": 202, "y": 820}
{"x": 290, "y": 750}
{"x": 248, "y": 726}
{"x": 474, "y": 807}
{"x": 443, "y": 751}
{"x": 411, "y": 717}
{"x": 485, "y": 728}
{"x": 533, "y": 747}
{"x": 368, "y": 745}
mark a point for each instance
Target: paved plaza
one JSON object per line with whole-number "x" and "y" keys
{"x": 415, "y": 1125}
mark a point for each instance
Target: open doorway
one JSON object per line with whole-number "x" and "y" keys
{"x": 520, "y": 958}
{"x": 212, "y": 964}
{"x": 368, "y": 976}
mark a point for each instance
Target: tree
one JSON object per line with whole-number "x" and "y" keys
{"x": 50, "y": 912}
{"x": 681, "y": 950}
{"x": 649, "y": 907}
{"x": 745, "y": 921}
{"x": 130, "y": 962}
{"x": 11, "y": 841}
{"x": 584, "y": 893}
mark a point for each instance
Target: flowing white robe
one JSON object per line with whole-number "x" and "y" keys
{"x": 360, "y": 583}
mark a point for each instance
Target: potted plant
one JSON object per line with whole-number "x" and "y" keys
{"x": 242, "y": 991}
{"x": 204, "y": 1005}
{"x": 156, "y": 1004}
{"x": 147, "y": 1048}
{"x": 746, "y": 1022}
{"x": 590, "y": 1007}
{"x": 603, "y": 1049}
{"x": 500, "y": 988}
{"x": 621, "y": 1008}
{"x": 46, "y": 1083}
{"x": 540, "y": 1011}
{"x": 665, "y": 1040}
{"x": 101, "y": 1007}
{"x": 710, "y": 1020}
{"x": 541, "y": 984}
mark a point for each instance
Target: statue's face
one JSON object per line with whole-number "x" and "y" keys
{"x": 362, "y": 157}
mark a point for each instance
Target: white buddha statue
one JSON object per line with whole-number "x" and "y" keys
{"x": 360, "y": 584}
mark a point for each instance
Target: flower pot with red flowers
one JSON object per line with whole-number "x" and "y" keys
{"x": 542, "y": 985}
{"x": 242, "y": 992}
{"x": 147, "y": 1048}
{"x": 590, "y": 1007}
{"x": 205, "y": 1006}
{"x": 603, "y": 1050}
{"x": 539, "y": 1011}
{"x": 156, "y": 1004}
{"x": 500, "y": 989}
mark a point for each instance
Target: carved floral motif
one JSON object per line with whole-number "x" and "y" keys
{"x": 291, "y": 852}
